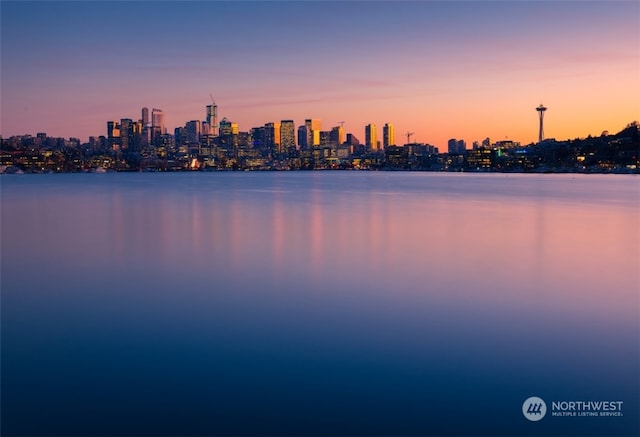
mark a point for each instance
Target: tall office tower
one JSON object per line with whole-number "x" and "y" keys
{"x": 302, "y": 137}
{"x": 146, "y": 128}
{"x": 228, "y": 128}
{"x": 130, "y": 134}
{"x": 452, "y": 145}
{"x": 113, "y": 130}
{"x": 461, "y": 146}
{"x": 371, "y": 137}
{"x": 341, "y": 138}
{"x": 180, "y": 136}
{"x": 325, "y": 138}
{"x": 157, "y": 126}
{"x": 138, "y": 130}
{"x": 337, "y": 135}
{"x": 272, "y": 135}
{"x": 125, "y": 134}
{"x": 212, "y": 119}
{"x": 113, "y": 134}
{"x": 352, "y": 140}
{"x": 192, "y": 131}
{"x": 313, "y": 125}
{"x": 146, "y": 135}
{"x": 145, "y": 116}
{"x": 287, "y": 135}
{"x": 541, "y": 110}
{"x": 228, "y": 136}
{"x": 486, "y": 143}
{"x": 258, "y": 137}
{"x": 388, "y": 135}
{"x": 157, "y": 120}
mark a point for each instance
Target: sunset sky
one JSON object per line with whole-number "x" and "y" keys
{"x": 465, "y": 70}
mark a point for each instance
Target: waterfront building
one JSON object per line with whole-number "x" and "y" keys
{"x": 480, "y": 159}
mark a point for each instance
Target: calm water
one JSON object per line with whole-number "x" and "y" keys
{"x": 317, "y": 303}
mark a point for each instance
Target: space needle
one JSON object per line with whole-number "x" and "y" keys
{"x": 541, "y": 110}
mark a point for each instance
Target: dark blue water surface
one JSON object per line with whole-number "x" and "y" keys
{"x": 317, "y": 303}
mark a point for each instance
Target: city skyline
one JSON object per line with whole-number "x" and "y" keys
{"x": 467, "y": 70}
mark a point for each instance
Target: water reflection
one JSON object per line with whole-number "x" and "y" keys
{"x": 316, "y": 302}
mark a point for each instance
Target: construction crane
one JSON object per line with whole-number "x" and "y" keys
{"x": 341, "y": 123}
{"x": 212, "y": 101}
{"x": 409, "y": 135}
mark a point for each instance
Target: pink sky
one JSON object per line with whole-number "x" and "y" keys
{"x": 442, "y": 70}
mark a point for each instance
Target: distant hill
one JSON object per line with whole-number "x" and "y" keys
{"x": 631, "y": 131}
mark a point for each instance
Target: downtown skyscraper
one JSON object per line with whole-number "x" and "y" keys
{"x": 157, "y": 125}
{"x": 371, "y": 137}
{"x": 287, "y": 135}
{"x": 158, "y": 120}
{"x": 388, "y": 135}
{"x": 313, "y": 126}
{"x": 146, "y": 127}
{"x": 272, "y": 135}
{"x": 212, "y": 119}
{"x": 145, "y": 116}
